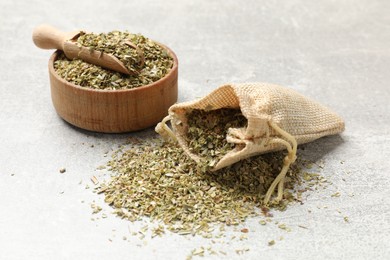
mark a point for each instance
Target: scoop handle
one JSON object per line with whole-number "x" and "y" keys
{"x": 47, "y": 37}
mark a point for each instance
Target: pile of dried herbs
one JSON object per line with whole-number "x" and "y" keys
{"x": 155, "y": 179}
{"x": 207, "y": 132}
{"x": 157, "y": 62}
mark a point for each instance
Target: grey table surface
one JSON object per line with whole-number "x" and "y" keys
{"x": 336, "y": 52}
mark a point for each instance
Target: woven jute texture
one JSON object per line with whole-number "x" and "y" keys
{"x": 263, "y": 105}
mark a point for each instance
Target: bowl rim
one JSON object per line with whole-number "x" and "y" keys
{"x": 173, "y": 70}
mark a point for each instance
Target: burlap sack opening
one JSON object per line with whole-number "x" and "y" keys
{"x": 278, "y": 118}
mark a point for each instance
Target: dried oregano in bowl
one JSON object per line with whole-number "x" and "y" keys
{"x": 121, "y": 45}
{"x": 101, "y": 100}
{"x": 150, "y": 60}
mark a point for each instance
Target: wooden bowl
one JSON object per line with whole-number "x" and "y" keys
{"x": 113, "y": 111}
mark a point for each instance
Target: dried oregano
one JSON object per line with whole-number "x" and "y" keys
{"x": 157, "y": 62}
{"x": 207, "y": 132}
{"x": 156, "y": 179}
{"x": 120, "y": 44}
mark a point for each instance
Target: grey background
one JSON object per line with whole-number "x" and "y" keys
{"x": 336, "y": 52}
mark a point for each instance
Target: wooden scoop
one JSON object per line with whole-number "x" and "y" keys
{"x": 48, "y": 37}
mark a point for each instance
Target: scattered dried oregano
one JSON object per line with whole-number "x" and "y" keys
{"x": 139, "y": 54}
{"x": 155, "y": 178}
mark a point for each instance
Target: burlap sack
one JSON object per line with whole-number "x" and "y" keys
{"x": 278, "y": 118}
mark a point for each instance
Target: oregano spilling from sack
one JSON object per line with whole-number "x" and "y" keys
{"x": 243, "y": 120}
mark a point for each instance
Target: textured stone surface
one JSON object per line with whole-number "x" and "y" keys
{"x": 336, "y": 52}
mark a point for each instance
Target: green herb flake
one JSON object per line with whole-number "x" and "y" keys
{"x": 271, "y": 243}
